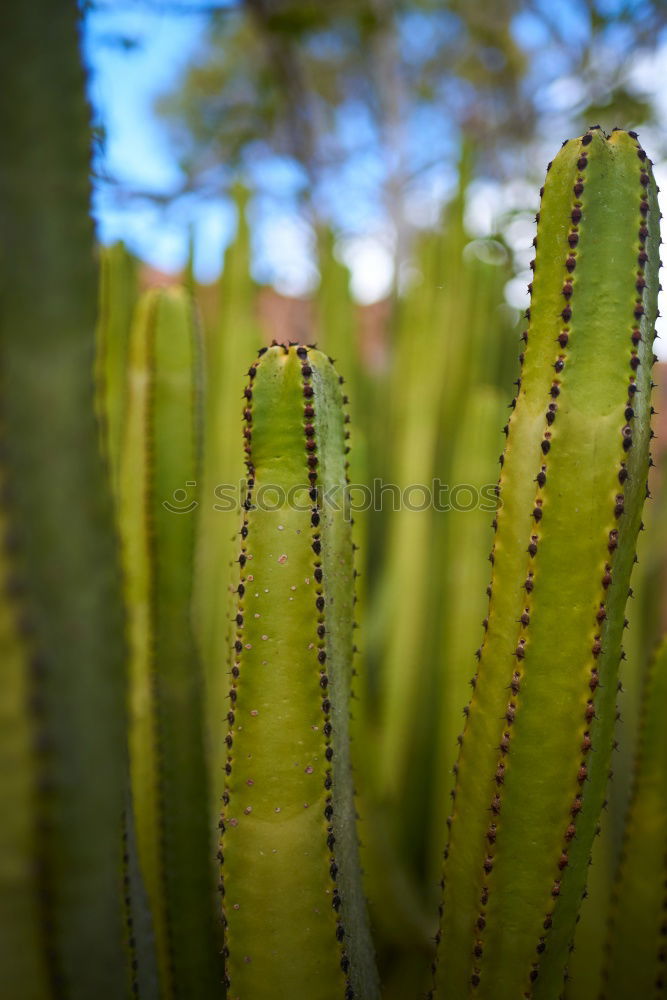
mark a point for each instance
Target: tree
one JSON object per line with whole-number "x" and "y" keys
{"x": 371, "y": 97}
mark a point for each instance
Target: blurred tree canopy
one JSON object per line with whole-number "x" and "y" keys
{"x": 370, "y": 96}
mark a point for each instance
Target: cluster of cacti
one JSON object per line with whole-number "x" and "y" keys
{"x": 177, "y": 739}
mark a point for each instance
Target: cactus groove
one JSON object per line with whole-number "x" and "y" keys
{"x": 636, "y": 953}
{"x": 293, "y": 910}
{"x": 529, "y": 787}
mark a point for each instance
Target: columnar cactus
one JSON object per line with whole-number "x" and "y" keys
{"x": 159, "y": 465}
{"x": 62, "y": 728}
{"x": 228, "y": 344}
{"x": 535, "y": 750}
{"x": 636, "y": 960}
{"x": 117, "y": 299}
{"x": 294, "y": 914}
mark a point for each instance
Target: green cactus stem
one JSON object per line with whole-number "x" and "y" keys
{"x": 535, "y": 751}
{"x": 159, "y": 464}
{"x": 144, "y": 980}
{"x": 63, "y": 758}
{"x": 636, "y": 949}
{"x": 644, "y": 612}
{"x": 293, "y": 909}
{"x": 465, "y": 569}
{"x": 23, "y": 964}
{"x": 229, "y": 342}
{"x": 117, "y": 299}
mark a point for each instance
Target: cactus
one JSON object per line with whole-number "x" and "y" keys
{"x": 107, "y": 875}
{"x": 117, "y": 298}
{"x": 63, "y": 729}
{"x": 159, "y": 463}
{"x": 143, "y": 972}
{"x": 645, "y": 613}
{"x": 636, "y": 953}
{"x": 474, "y": 462}
{"x": 529, "y": 790}
{"x": 293, "y": 910}
{"x": 428, "y": 400}
{"x": 228, "y": 344}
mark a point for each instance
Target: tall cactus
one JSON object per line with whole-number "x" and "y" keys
{"x": 636, "y": 961}
{"x": 230, "y": 341}
{"x": 117, "y": 299}
{"x": 466, "y": 546}
{"x": 293, "y": 909}
{"x": 62, "y": 740}
{"x": 159, "y": 464}
{"x": 533, "y": 763}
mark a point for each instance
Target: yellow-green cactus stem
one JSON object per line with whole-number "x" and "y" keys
{"x": 117, "y": 299}
{"x": 63, "y": 759}
{"x": 159, "y": 465}
{"x": 636, "y": 951}
{"x": 535, "y": 751}
{"x": 294, "y": 914}
{"x": 465, "y": 570}
{"x": 231, "y": 340}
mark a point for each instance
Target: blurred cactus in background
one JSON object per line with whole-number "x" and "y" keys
{"x": 63, "y": 734}
{"x": 204, "y": 681}
{"x": 159, "y": 467}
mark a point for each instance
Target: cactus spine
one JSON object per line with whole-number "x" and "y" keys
{"x": 529, "y": 791}
{"x": 636, "y": 945}
{"x": 293, "y": 910}
{"x": 159, "y": 464}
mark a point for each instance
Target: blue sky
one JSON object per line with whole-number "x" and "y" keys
{"x": 124, "y": 83}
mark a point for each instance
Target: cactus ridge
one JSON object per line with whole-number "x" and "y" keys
{"x": 502, "y": 712}
{"x": 29, "y": 747}
{"x": 152, "y": 750}
{"x": 288, "y": 806}
{"x": 312, "y": 461}
{"x": 635, "y": 948}
{"x": 156, "y": 720}
{"x": 129, "y": 918}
